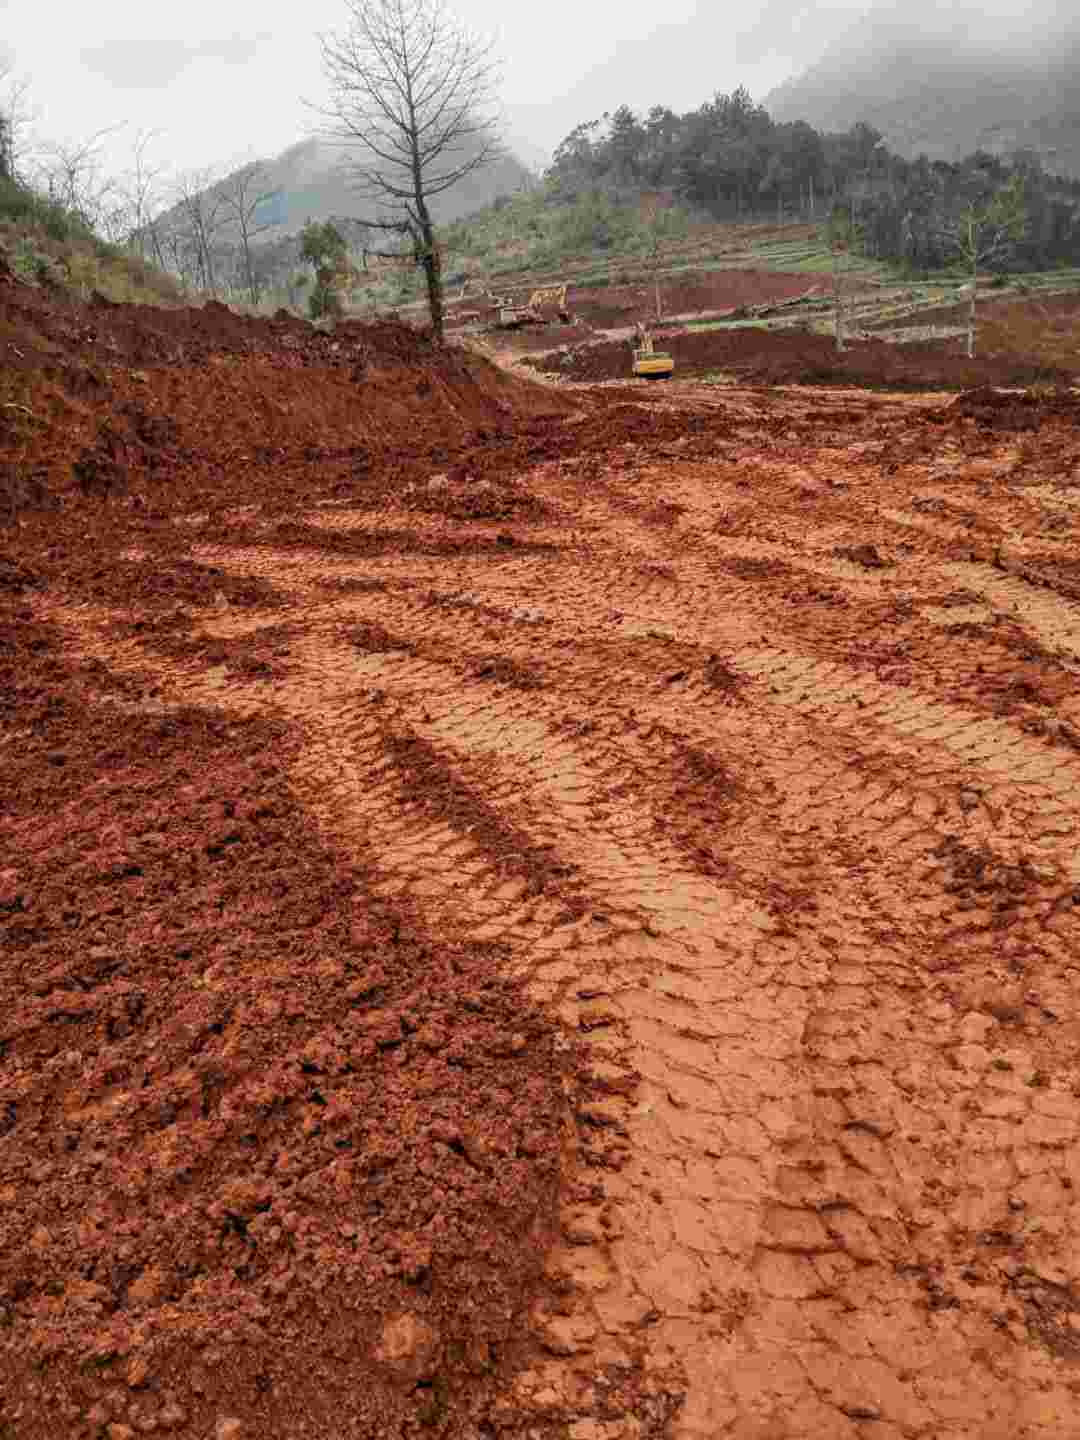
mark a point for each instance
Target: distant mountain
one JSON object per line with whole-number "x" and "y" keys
{"x": 944, "y": 94}
{"x": 310, "y": 181}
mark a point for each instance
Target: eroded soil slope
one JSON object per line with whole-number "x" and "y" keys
{"x": 565, "y": 930}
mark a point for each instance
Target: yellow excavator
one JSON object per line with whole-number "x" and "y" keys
{"x": 649, "y": 362}
{"x": 554, "y": 295}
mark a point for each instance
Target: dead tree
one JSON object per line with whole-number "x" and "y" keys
{"x": 203, "y": 211}
{"x": 73, "y": 175}
{"x": 659, "y": 228}
{"x": 141, "y": 187}
{"x": 16, "y": 116}
{"x": 412, "y": 94}
{"x": 241, "y": 196}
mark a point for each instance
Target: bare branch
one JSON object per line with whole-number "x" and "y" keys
{"x": 203, "y": 211}
{"x": 142, "y": 189}
{"x": 242, "y": 195}
{"x": 16, "y": 116}
{"x": 411, "y": 95}
{"x": 72, "y": 173}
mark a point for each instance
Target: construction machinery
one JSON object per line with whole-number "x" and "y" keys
{"x": 554, "y": 295}
{"x": 649, "y": 362}
{"x": 510, "y": 316}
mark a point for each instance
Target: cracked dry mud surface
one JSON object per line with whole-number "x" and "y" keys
{"x": 689, "y": 811}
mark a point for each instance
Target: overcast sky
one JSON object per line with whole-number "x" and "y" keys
{"x": 224, "y": 80}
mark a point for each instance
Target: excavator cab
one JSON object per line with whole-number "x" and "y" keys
{"x": 649, "y": 362}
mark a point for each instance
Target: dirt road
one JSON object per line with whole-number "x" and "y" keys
{"x": 738, "y": 730}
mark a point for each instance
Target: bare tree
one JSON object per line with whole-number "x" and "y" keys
{"x": 73, "y": 174}
{"x": 7, "y": 166}
{"x": 142, "y": 192}
{"x": 16, "y": 116}
{"x": 203, "y": 210}
{"x": 412, "y": 92}
{"x": 181, "y": 259}
{"x": 241, "y": 196}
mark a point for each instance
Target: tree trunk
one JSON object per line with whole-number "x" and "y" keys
{"x": 248, "y": 272}
{"x": 839, "y": 303}
{"x": 432, "y": 274}
{"x": 156, "y": 245}
{"x": 971, "y": 312}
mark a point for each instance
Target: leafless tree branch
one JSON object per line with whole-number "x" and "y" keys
{"x": 203, "y": 211}
{"x": 16, "y": 116}
{"x": 72, "y": 173}
{"x": 241, "y": 196}
{"x": 411, "y": 95}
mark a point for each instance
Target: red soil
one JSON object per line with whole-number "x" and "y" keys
{"x": 268, "y": 1148}
{"x": 690, "y": 294}
{"x": 789, "y": 357}
{"x": 529, "y": 913}
{"x": 617, "y": 306}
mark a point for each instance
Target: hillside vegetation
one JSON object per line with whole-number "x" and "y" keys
{"x": 46, "y": 243}
{"x": 628, "y": 198}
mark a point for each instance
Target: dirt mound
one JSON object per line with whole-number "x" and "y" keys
{"x": 786, "y": 357}
{"x": 254, "y": 1097}
{"x": 60, "y": 327}
{"x": 180, "y": 409}
{"x": 995, "y": 410}
{"x": 533, "y": 339}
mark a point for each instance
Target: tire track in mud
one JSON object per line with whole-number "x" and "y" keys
{"x": 663, "y": 1060}
{"x": 767, "y": 1257}
{"x": 809, "y": 685}
{"x": 830, "y": 1155}
{"x": 712, "y": 1049}
{"x": 658, "y": 915}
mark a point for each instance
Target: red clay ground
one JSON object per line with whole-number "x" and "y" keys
{"x": 788, "y": 357}
{"x": 531, "y": 912}
{"x": 693, "y": 293}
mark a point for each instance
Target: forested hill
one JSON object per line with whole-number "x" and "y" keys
{"x": 731, "y": 159}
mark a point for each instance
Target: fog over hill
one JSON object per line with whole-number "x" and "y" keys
{"x": 310, "y": 181}
{"x": 947, "y": 82}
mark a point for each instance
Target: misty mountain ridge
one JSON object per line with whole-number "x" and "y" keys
{"x": 310, "y": 181}
{"x": 947, "y": 88}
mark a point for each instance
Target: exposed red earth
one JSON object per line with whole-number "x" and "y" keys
{"x": 530, "y": 911}
{"x": 690, "y": 294}
{"x": 618, "y": 306}
{"x": 789, "y": 357}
